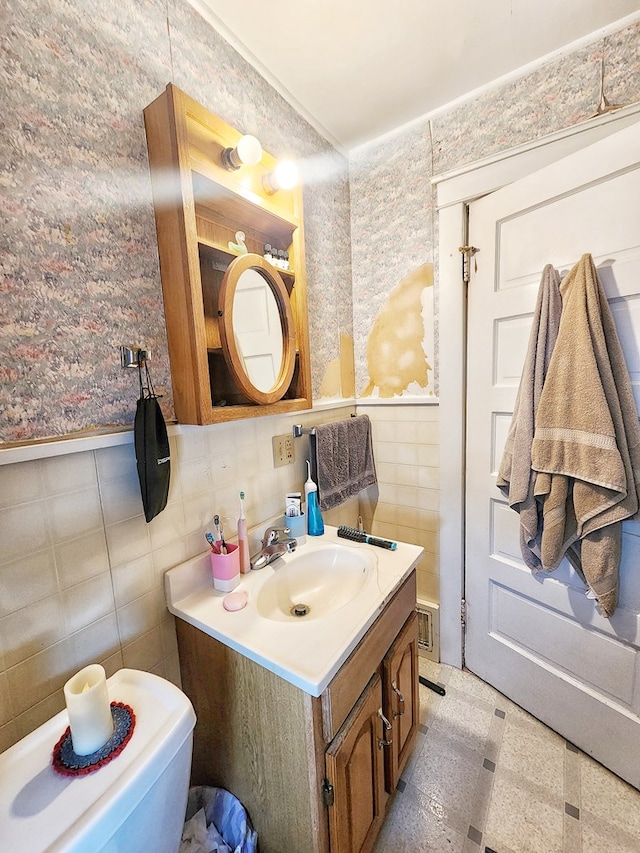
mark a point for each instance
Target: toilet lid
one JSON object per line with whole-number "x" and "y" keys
{"x": 43, "y": 811}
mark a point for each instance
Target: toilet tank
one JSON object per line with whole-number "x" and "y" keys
{"x": 134, "y": 803}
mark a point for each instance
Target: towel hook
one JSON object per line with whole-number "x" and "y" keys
{"x": 134, "y": 356}
{"x": 299, "y": 430}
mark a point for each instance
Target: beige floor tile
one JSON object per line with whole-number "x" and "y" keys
{"x": 537, "y": 755}
{"x": 518, "y": 820}
{"x": 469, "y": 683}
{"x": 415, "y": 757}
{"x": 572, "y": 782}
{"x": 410, "y": 828}
{"x": 438, "y": 672}
{"x": 444, "y": 813}
{"x": 507, "y": 776}
{"x": 494, "y": 738}
{"x": 429, "y": 701}
{"x": 598, "y": 836}
{"x": 572, "y": 835}
{"x": 447, "y": 773}
{"x": 479, "y": 809}
{"x": 607, "y": 797}
{"x": 517, "y": 713}
{"x": 465, "y": 720}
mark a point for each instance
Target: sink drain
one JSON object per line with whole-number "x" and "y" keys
{"x": 300, "y": 610}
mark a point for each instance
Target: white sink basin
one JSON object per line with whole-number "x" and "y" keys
{"x": 310, "y": 584}
{"x": 345, "y": 585}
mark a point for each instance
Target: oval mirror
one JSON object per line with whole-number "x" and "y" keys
{"x": 256, "y": 328}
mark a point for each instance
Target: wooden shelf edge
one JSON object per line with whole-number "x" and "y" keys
{"x": 227, "y": 253}
{"x": 239, "y": 194}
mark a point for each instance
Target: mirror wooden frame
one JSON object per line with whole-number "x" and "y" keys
{"x": 227, "y": 338}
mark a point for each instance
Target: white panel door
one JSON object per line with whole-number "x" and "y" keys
{"x": 541, "y": 641}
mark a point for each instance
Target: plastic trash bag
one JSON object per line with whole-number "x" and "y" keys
{"x": 217, "y": 822}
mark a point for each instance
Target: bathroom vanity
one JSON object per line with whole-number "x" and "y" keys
{"x": 309, "y": 724}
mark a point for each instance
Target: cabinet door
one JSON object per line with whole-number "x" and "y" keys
{"x": 401, "y": 699}
{"x": 355, "y": 767}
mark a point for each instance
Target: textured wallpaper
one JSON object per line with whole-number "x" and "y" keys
{"x": 557, "y": 95}
{"x": 394, "y": 225}
{"x": 78, "y": 256}
{"x": 391, "y": 226}
{"x": 77, "y": 244}
{"x": 79, "y": 269}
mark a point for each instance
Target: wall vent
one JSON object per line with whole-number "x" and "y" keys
{"x": 428, "y": 629}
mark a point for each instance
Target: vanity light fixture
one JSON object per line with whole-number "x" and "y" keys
{"x": 283, "y": 177}
{"x": 247, "y": 152}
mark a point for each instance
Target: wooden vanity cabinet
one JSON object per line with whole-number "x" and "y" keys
{"x": 355, "y": 770}
{"x": 401, "y": 699}
{"x": 313, "y": 773}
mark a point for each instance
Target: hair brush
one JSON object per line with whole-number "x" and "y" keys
{"x": 360, "y": 536}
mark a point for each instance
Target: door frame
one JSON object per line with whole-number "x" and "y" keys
{"x": 454, "y": 192}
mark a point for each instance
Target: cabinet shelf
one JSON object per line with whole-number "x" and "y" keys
{"x": 242, "y": 207}
{"x": 221, "y": 257}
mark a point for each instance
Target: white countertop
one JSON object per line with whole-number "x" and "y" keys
{"x": 306, "y": 653}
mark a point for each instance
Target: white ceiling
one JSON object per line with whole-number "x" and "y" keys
{"x": 360, "y": 68}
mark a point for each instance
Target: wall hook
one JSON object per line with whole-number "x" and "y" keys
{"x": 134, "y": 356}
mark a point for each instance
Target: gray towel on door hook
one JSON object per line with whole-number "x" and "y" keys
{"x": 344, "y": 458}
{"x": 516, "y": 478}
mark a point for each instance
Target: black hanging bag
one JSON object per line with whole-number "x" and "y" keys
{"x": 152, "y": 449}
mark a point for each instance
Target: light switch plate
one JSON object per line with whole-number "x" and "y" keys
{"x": 283, "y": 450}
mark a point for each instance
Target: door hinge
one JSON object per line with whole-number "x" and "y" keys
{"x": 467, "y": 253}
{"x": 328, "y": 795}
{"x": 463, "y": 612}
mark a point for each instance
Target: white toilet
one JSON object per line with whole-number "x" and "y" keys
{"x": 133, "y": 804}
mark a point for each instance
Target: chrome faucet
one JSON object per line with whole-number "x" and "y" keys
{"x": 273, "y": 547}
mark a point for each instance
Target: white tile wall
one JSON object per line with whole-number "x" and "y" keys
{"x": 81, "y": 572}
{"x": 405, "y": 505}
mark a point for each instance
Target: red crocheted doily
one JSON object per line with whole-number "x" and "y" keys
{"x": 65, "y": 761}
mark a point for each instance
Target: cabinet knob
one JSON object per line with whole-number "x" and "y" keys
{"x": 387, "y": 727}
{"x": 394, "y": 687}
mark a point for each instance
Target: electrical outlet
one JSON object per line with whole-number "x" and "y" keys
{"x": 283, "y": 450}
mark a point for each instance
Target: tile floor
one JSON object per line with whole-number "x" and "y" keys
{"x": 485, "y": 776}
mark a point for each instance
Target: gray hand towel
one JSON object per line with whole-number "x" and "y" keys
{"x": 345, "y": 462}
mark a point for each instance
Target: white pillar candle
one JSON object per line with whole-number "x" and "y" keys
{"x": 89, "y": 709}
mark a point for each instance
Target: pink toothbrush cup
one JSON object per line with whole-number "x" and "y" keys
{"x": 225, "y": 569}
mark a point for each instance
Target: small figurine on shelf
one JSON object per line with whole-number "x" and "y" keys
{"x": 239, "y": 245}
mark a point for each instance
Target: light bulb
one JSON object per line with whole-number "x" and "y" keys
{"x": 284, "y": 177}
{"x": 247, "y": 152}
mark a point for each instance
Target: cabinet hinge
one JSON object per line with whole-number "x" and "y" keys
{"x": 327, "y": 793}
{"x": 463, "y": 612}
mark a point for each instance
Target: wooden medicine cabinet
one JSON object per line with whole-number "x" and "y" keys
{"x": 214, "y": 294}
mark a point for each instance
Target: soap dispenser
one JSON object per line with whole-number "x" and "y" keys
{"x": 315, "y": 524}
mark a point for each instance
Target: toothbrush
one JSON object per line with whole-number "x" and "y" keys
{"x": 209, "y": 537}
{"x": 243, "y": 542}
{"x": 222, "y": 546}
